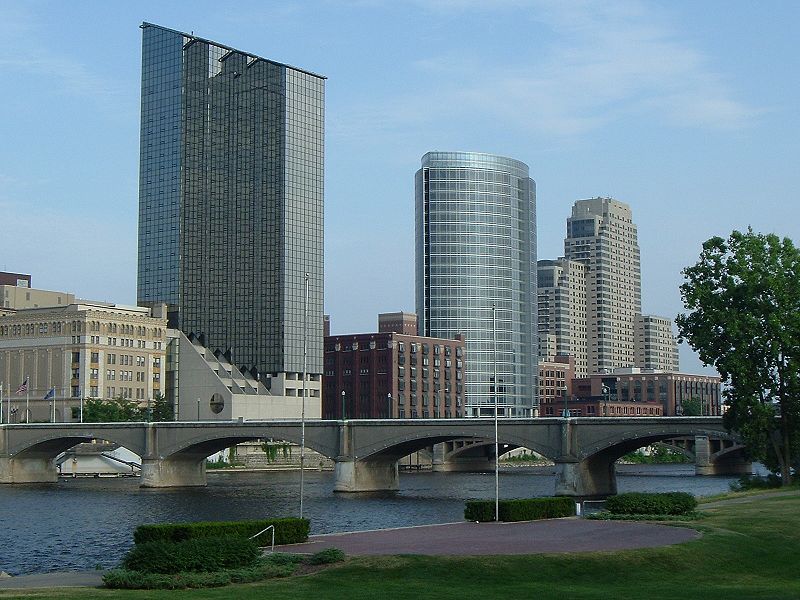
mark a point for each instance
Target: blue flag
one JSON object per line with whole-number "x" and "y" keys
{"x": 50, "y": 394}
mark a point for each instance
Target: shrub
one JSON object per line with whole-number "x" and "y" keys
{"x": 327, "y": 556}
{"x": 192, "y": 555}
{"x": 529, "y": 509}
{"x": 287, "y": 531}
{"x": 756, "y": 482}
{"x": 639, "y": 503}
{"x": 124, "y": 579}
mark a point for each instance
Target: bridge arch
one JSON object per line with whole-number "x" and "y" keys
{"x": 592, "y": 470}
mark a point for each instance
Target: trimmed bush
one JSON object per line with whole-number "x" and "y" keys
{"x": 327, "y": 556}
{"x": 122, "y": 579}
{"x": 287, "y": 531}
{"x": 193, "y": 555}
{"x": 136, "y": 580}
{"x": 529, "y": 509}
{"x": 639, "y": 503}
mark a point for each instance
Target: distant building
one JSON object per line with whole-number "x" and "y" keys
{"x": 555, "y": 380}
{"x": 476, "y": 272}
{"x": 326, "y": 325}
{"x": 656, "y": 347}
{"x": 80, "y": 350}
{"x": 231, "y": 203}
{"x": 398, "y": 322}
{"x": 393, "y": 375}
{"x": 563, "y": 309}
{"x": 602, "y": 236}
{"x": 15, "y": 279}
{"x": 20, "y": 297}
{"x": 632, "y": 390}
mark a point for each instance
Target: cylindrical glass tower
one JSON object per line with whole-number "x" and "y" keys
{"x": 475, "y": 250}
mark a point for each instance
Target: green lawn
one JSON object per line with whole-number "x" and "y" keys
{"x": 747, "y": 551}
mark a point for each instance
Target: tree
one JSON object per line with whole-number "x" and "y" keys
{"x": 161, "y": 409}
{"x": 743, "y": 298}
{"x": 692, "y": 407}
{"x": 111, "y": 410}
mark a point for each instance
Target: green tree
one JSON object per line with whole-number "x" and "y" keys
{"x": 161, "y": 409}
{"x": 692, "y": 407}
{"x": 110, "y": 410}
{"x": 743, "y": 298}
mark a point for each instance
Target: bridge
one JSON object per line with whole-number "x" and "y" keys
{"x": 366, "y": 452}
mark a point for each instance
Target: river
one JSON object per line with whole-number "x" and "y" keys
{"x": 78, "y": 524}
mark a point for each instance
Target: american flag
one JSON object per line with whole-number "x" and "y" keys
{"x": 23, "y": 388}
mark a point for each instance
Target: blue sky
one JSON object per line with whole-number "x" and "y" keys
{"x": 687, "y": 111}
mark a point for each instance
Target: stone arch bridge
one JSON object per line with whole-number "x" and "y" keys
{"x": 366, "y": 452}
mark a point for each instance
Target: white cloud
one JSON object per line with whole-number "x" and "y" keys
{"x": 603, "y": 62}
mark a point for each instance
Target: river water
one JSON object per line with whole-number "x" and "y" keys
{"x": 82, "y": 523}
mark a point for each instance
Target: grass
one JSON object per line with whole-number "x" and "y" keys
{"x": 747, "y": 550}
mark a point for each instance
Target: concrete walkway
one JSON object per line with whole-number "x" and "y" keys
{"x": 471, "y": 539}
{"x": 53, "y": 580}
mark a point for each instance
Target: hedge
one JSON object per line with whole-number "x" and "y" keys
{"x": 205, "y": 554}
{"x": 136, "y": 580}
{"x": 287, "y": 531}
{"x": 520, "y": 510}
{"x": 640, "y": 503}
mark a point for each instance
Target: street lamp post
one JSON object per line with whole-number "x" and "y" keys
{"x": 389, "y": 403}
{"x": 564, "y": 396}
{"x": 606, "y": 392}
{"x": 343, "y": 414}
{"x": 198, "y": 409}
{"x": 496, "y": 442}
{"x": 303, "y": 400}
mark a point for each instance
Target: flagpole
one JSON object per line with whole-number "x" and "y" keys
{"x": 27, "y": 401}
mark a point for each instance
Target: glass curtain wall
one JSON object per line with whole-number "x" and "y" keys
{"x": 475, "y": 249}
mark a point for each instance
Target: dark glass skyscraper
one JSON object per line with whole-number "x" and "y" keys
{"x": 231, "y": 198}
{"x": 476, "y": 249}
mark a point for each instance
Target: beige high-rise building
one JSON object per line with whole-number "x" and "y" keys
{"x": 656, "y": 347}
{"x": 80, "y": 350}
{"x": 601, "y": 235}
{"x": 563, "y": 311}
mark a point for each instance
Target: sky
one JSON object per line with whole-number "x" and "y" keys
{"x": 685, "y": 110}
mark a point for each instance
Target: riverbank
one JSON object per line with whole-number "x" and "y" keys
{"x": 747, "y": 549}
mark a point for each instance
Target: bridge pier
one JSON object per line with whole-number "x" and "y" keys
{"x": 365, "y": 475}
{"x": 731, "y": 463}
{"x": 28, "y": 470}
{"x": 594, "y": 476}
{"x": 175, "y": 472}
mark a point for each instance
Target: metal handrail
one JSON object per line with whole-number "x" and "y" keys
{"x": 267, "y": 528}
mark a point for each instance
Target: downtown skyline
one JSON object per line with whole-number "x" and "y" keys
{"x": 650, "y": 103}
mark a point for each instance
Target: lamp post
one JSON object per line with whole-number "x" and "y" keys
{"x": 198, "y": 409}
{"x": 389, "y": 404}
{"x": 606, "y": 392}
{"x": 343, "y": 415}
{"x": 564, "y": 396}
{"x": 496, "y": 442}
{"x": 303, "y": 400}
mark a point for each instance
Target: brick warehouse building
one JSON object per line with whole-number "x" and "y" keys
{"x": 631, "y": 391}
{"x": 393, "y": 375}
